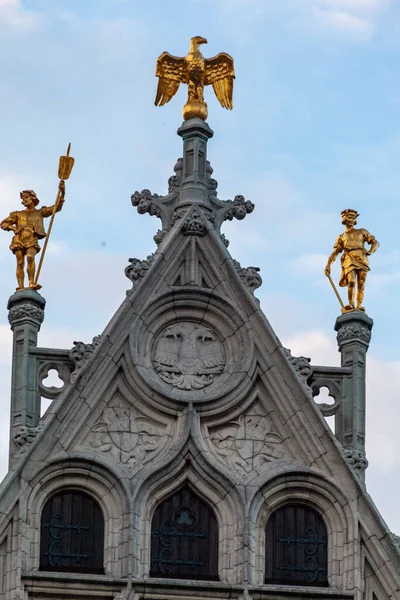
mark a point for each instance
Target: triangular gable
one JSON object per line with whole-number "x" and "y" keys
{"x": 189, "y": 380}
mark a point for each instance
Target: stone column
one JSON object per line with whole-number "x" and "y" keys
{"x": 353, "y": 337}
{"x": 26, "y": 313}
{"x": 195, "y": 134}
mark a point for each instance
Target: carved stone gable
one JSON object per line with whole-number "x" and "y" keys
{"x": 126, "y": 434}
{"x": 248, "y": 442}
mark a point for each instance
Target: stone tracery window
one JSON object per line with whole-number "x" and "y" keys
{"x": 184, "y": 538}
{"x": 72, "y": 534}
{"x": 296, "y": 547}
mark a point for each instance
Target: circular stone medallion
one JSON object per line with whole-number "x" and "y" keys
{"x": 191, "y": 346}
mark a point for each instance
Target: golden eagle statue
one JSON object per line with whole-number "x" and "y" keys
{"x": 196, "y": 71}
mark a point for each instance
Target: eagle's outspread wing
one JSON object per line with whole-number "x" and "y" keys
{"x": 210, "y": 353}
{"x": 167, "y": 352}
{"x": 219, "y": 72}
{"x": 171, "y": 71}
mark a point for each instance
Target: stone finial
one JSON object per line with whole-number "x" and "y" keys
{"x": 192, "y": 185}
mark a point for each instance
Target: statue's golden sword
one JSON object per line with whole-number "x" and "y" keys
{"x": 64, "y": 171}
{"x": 336, "y": 292}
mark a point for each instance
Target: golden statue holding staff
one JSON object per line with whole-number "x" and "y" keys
{"x": 197, "y": 72}
{"x": 28, "y": 227}
{"x": 354, "y": 259}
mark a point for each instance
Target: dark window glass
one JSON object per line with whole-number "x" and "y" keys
{"x": 296, "y": 547}
{"x": 184, "y": 538}
{"x": 72, "y": 534}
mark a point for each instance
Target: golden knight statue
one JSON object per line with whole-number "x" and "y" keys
{"x": 28, "y": 228}
{"x": 196, "y": 71}
{"x": 354, "y": 260}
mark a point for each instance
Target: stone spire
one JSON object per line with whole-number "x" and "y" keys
{"x": 192, "y": 186}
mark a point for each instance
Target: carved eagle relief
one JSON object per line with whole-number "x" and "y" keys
{"x": 188, "y": 356}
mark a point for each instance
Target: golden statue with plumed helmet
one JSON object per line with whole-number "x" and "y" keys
{"x": 28, "y": 227}
{"x": 354, "y": 260}
{"x": 197, "y": 72}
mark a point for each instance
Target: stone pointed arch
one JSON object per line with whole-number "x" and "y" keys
{"x": 189, "y": 468}
{"x": 108, "y": 490}
{"x": 304, "y": 486}
{"x": 184, "y": 537}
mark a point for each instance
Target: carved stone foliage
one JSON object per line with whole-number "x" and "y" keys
{"x": 24, "y": 310}
{"x": 188, "y": 356}
{"x": 179, "y": 213}
{"x": 159, "y": 236}
{"x": 81, "y": 353}
{"x": 248, "y": 442}
{"x": 175, "y": 181}
{"x": 212, "y": 184}
{"x": 356, "y": 459}
{"x": 144, "y": 201}
{"x": 225, "y": 241}
{"x": 353, "y": 331}
{"x": 300, "y": 364}
{"x": 195, "y": 224}
{"x": 24, "y": 436}
{"x": 239, "y": 208}
{"x": 396, "y": 540}
{"x": 249, "y": 275}
{"x": 137, "y": 269}
{"x": 126, "y": 434}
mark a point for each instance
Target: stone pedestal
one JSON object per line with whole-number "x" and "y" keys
{"x": 353, "y": 337}
{"x": 195, "y": 134}
{"x": 26, "y": 313}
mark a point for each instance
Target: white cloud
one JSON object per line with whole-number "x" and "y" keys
{"x": 308, "y": 264}
{"x": 356, "y": 19}
{"x": 15, "y": 17}
{"x": 353, "y": 5}
{"x": 356, "y": 27}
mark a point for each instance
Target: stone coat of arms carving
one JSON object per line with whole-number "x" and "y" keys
{"x": 188, "y": 356}
{"x": 123, "y": 431}
{"x": 247, "y": 443}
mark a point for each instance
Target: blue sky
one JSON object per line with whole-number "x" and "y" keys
{"x": 315, "y": 129}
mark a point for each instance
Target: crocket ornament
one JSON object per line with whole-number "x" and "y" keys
{"x": 197, "y": 72}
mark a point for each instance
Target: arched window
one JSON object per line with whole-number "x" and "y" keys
{"x": 296, "y": 547}
{"x": 184, "y": 538}
{"x": 72, "y": 534}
